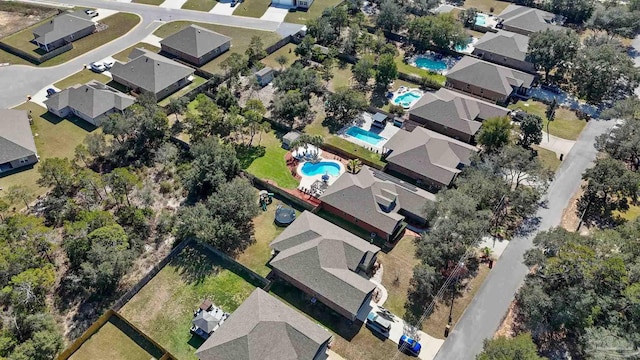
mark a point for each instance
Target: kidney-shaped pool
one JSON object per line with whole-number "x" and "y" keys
{"x": 320, "y": 168}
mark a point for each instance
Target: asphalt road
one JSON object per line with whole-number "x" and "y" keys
{"x": 18, "y": 81}
{"x": 485, "y": 313}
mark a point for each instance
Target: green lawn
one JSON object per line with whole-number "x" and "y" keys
{"x": 397, "y": 272}
{"x": 110, "y": 343}
{"x": 267, "y": 161}
{"x": 342, "y": 76}
{"x": 118, "y": 25}
{"x": 548, "y": 158}
{"x": 240, "y": 39}
{"x": 486, "y": 5}
{"x": 318, "y": 6}
{"x": 566, "y": 124}
{"x": 256, "y": 256}
{"x": 632, "y": 213}
{"x": 148, "y": 2}
{"x": 81, "y": 77}
{"x": 199, "y": 5}
{"x": 22, "y": 39}
{"x": 422, "y": 73}
{"x": 54, "y": 138}
{"x": 123, "y": 55}
{"x": 252, "y": 8}
{"x": 197, "y": 81}
{"x": 287, "y": 51}
{"x": 163, "y": 309}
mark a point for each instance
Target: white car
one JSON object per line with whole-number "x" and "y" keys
{"x": 91, "y": 13}
{"x": 98, "y": 66}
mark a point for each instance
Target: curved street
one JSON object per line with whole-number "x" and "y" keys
{"x": 19, "y": 81}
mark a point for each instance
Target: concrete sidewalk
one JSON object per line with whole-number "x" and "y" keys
{"x": 556, "y": 144}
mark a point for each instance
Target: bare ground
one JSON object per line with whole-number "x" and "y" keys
{"x": 570, "y": 218}
{"x": 507, "y": 328}
{"x": 11, "y": 22}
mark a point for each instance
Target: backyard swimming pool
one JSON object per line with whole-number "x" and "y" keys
{"x": 320, "y": 168}
{"x": 407, "y": 99}
{"x": 434, "y": 62}
{"x": 481, "y": 19}
{"x": 364, "y": 135}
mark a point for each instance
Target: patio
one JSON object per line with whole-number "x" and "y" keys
{"x": 207, "y": 319}
{"x": 369, "y": 136}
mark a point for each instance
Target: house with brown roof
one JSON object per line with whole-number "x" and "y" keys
{"x": 151, "y": 73}
{"x": 452, "y": 113}
{"x": 326, "y": 262}
{"x": 264, "y": 328}
{"x": 196, "y": 45}
{"x": 92, "y": 102}
{"x": 377, "y": 202}
{"x": 430, "y": 158}
{"x": 505, "y": 48}
{"x": 17, "y": 148}
{"x": 526, "y": 21}
{"x": 487, "y": 80}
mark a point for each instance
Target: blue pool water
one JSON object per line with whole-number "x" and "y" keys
{"x": 429, "y": 63}
{"x": 364, "y": 135}
{"x": 407, "y": 99}
{"x": 320, "y": 168}
{"x": 481, "y": 19}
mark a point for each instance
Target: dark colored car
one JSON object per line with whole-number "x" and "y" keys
{"x": 409, "y": 345}
{"x": 50, "y": 92}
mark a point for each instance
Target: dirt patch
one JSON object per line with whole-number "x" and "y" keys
{"x": 14, "y": 21}
{"x": 570, "y": 218}
{"x": 507, "y": 327}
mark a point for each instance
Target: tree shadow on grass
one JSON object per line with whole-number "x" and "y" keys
{"x": 318, "y": 311}
{"x": 379, "y": 97}
{"x": 248, "y": 154}
{"x": 194, "y": 264}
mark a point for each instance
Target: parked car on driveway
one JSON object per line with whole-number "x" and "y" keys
{"x": 101, "y": 66}
{"x": 378, "y": 324}
{"x": 91, "y": 13}
{"x": 409, "y": 345}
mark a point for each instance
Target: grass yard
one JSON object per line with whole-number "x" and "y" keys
{"x": 266, "y": 161}
{"x": 110, "y": 343}
{"x": 163, "y": 309}
{"x": 301, "y": 17}
{"x": 123, "y": 55}
{"x": 197, "y": 81}
{"x": 148, "y": 2}
{"x": 351, "y": 341}
{"x": 54, "y": 137}
{"x": 486, "y": 5}
{"x": 566, "y": 124}
{"x": 287, "y": 51}
{"x": 342, "y": 76}
{"x": 434, "y": 325}
{"x": 548, "y": 158}
{"x": 412, "y": 70}
{"x": 199, "y": 5}
{"x": 397, "y": 272}
{"x": 256, "y": 256}
{"x": 239, "y": 43}
{"x": 22, "y": 39}
{"x": 252, "y": 8}
{"x": 632, "y": 213}
{"x": 81, "y": 77}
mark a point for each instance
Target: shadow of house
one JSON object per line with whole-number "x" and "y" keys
{"x": 17, "y": 147}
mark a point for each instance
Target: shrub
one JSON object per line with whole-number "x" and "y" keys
{"x": 164, "y": 224}
{"x": 396, "y": 109}
{"x": 166, "y": 187}
{"x": 491, "y": 9}
{"x": 427, "y": 82}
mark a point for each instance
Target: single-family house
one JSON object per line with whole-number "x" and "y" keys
{"x": 487, "y": 80}
{"x": 17, "y": 148}
{"x": 326, "y": 262}
{"x": 452, "y": 113}
{"x": 505, "y": 48}
{"x": 302, "y": 4}
{"x": 196, "y": 45}
{"x": 265, "y": 75}
{"x": 376, "y": 202}
{"x": 526, "y": 21}
{"x": 151, "y": 73}
{"x": 63, "y": 29}
{"x": 264, "y": 328}
{"x": 430, "y": 158}
{"x": 92, "y": 102}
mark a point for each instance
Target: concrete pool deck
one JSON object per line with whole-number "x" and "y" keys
{"x": 365, "y": 122}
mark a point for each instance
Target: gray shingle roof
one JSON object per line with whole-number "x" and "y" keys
{"x": 430, "y": 154}
{"x": 264, "y": 71}
{"x": 264, "y": 328}
{"x": 62, "y": 26}
{"x": 324, "y": 258}
{"x": 504, "y": 43}
{"x": 151, "y": 72}
{"x": 488, "y": 76}
{"x": 529, "y": 19}
{"x": 195, "y": 40}
{"x": 455, "y": 110}
{"x": 356, "y": 194}
{"x": 92, "y": 99}
{"x": 16, "y": 139}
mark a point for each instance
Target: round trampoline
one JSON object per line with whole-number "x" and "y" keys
{"x": 284, "y": 216}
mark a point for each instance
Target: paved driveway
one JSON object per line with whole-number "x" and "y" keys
{"x": 173, "y": 4}
{"x": 275, "y": 14}
{"x": 223, "y": 8}
{"x": 556, "y": 144}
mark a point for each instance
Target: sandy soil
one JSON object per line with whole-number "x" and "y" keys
{"x": 570, "y": 218}
{"x": 11, "y": 22}
{"x": 507, "y": 326}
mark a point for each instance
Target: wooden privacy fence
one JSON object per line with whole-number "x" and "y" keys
{"x": 32, "y": 58}
{"x": 263, "y": 185}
